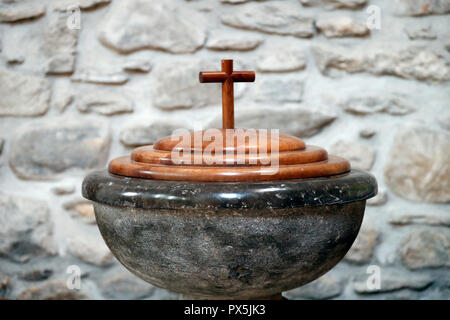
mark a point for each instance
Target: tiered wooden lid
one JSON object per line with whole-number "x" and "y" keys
{"x": 228, "y": 154}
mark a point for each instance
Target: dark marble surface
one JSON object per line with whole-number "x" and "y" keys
{"x": 229, "y": 239}
{"x": 222, "y": 253}
{"x": 119, "y": 191}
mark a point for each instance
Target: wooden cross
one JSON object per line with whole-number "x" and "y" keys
{"x": 228, "y": 77}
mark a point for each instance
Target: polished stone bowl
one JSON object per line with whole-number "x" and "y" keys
{"x": 243, "y": 240}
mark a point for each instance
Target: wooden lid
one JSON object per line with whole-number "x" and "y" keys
{"x": 228, "y": 154}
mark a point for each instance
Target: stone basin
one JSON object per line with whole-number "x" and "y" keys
{"x": 229, "y": 240}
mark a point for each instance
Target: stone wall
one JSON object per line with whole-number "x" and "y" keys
{"x": 72, "y": 99}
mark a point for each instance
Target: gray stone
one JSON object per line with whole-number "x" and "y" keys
{"x": 279, "y": 90}
{"x": 81, "y": 209}
{"x": 51, "y": 290}
{"x": 426, "y": 248}
{"x": 63, "y": 189}
{"x": 2, "y": 144}
{"x": 64, "y": 5}
{"x": 105, "y": 102}
{"x": 361, "y": 156}
{"x": 229, "y": 41}
{"x": 282, "y": 59}
{"x": 124, "y": 285}
{"x": 176, "y": 85}
{"x": 379, "y": 200}
{"x": 40, "y": 150}
{"x": 139, "y": 24}
{"x": 102, "y": 77}
{"x": 404, "y": 294}
{"x": 391, "y": 103}
{"x": 433, "y": 217}
{"x": 335, "y": 4}
{"x": 409, "y": 62}
{"x": 15, "y": 59}
{"x": 417, "y": 167}
{"x": 393, "y": 280}
{"x": 299, "y": 121}
{"x": 36, "y": 275}
{"x": 60, "y": 44}
{"x": 326, "y": 287}
{"x": 237, "y": 1}
{"x": 421, "y": 7}
{"x": 136, "y": 65}
{"x": 367, "y": 133}
{"x": 21, "y": 10}
{"x": 362, "y": 250}
{"x": 90, "y": 250}
{"x": 282, "y": 18}
{"x": 331, "y": 58}
{"x": 62, "y": 97}
{"x": 206, "y": 6}
{"x": 447, "y": 46}
{"x": 421, "y": 33}
{"x": 339, "y": 27}
{"x": 135, "y": 136}
{"x": 25, "y": 229}
{"x": 23, "y": 95}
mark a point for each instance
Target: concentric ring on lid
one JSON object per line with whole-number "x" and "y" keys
{"x": 229, "y": 155}
{"x": 229, "y": 140}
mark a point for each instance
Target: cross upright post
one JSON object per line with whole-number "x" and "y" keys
{"x": 227, "y": 77}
